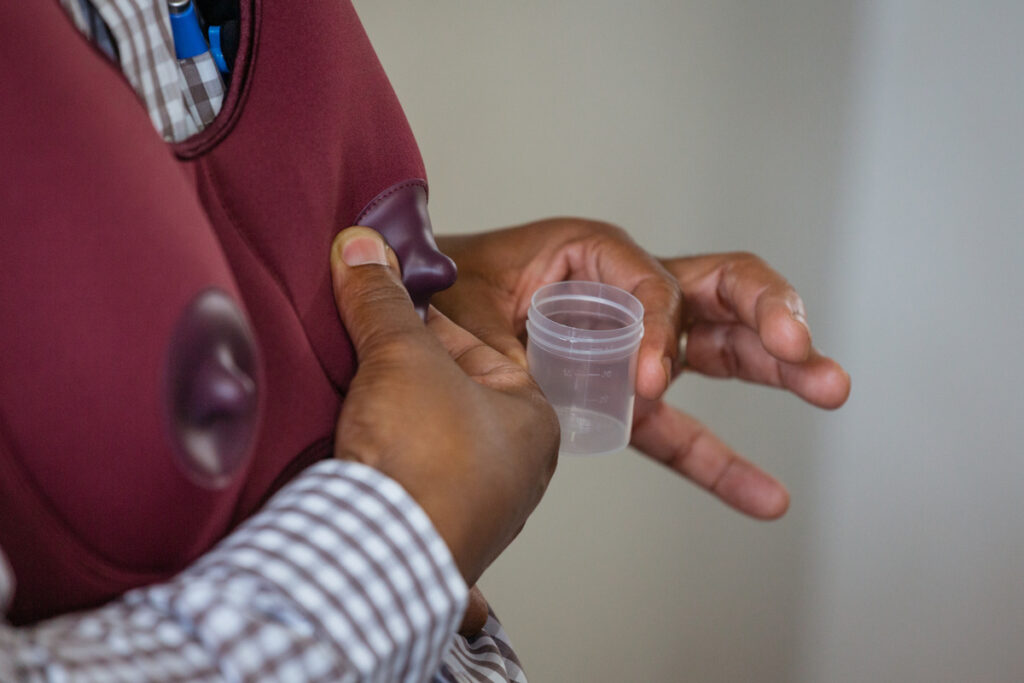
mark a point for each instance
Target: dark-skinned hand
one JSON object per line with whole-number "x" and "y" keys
{"x": 462, "y": 428}
{"x": 740, "y": 317}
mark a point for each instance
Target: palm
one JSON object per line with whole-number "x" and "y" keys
{"x": 741, "y": 319}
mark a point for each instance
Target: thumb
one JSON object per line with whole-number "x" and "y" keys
{"x": 372, "y": 303}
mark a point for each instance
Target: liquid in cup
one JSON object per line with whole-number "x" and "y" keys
{"x": 582, "y": 347}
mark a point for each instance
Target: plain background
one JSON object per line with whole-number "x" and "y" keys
{"x": 873, "y": 152}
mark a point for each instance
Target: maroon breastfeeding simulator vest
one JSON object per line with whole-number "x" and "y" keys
{"x": 170, "y": 352}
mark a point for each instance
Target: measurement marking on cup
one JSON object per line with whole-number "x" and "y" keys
{"x": 567, "y": 372}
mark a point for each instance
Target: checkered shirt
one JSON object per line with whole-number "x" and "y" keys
{"x": 182, "y": 97}
{"x": 341, "y": 577}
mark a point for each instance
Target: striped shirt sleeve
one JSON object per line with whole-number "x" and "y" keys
{"x": 485, "y": 658}
{"x": 341, "y": 577}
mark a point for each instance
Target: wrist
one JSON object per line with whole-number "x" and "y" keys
{"x": 437, "y": 494}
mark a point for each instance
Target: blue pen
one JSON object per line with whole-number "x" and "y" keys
{"x": 205, "y": 92}
{"x": 216, "y": 50}
{"x": 188, "y": 37}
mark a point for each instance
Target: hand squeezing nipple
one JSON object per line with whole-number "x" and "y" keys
{"x": 400, "y": 215}
{"x": 213, "y": 390}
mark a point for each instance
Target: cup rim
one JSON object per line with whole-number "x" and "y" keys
{"x": 594, "y": 292}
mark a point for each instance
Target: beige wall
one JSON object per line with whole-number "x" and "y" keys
{"x": 872, "y": 152}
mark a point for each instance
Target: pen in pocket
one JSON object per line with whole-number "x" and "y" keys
{"x": 204, "y": 91}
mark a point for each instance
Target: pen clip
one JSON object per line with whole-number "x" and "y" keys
{"x": 217, "y": 51}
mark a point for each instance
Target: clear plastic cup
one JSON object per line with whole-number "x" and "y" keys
{"x": 582, "y": 347}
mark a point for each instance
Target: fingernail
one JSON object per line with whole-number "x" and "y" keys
{"x": 797, "y": 311}
{"x": 360, "y": 246}
{"x": 666, "y": 363}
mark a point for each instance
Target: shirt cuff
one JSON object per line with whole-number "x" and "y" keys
{"x": 342, "y": 550}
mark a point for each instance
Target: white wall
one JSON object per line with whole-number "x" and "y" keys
{"x": 918, "y": 554}
{"x": 873, "y": 153}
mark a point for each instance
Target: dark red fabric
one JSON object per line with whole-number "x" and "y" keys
{"x": 108, "y": 233}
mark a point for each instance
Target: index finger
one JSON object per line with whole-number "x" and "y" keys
{"x": 740, "y": 287}
{"x": 621, "y": 262}
{"x": 473, "y": 356}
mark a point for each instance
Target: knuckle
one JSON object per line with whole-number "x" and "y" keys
{"x": 663, "y": 290}
{"x": 588, "y": 228}
{"x": 550, "y": 431}
{"x": 746, "y": 259}
{"x": 553, "y": 444}
{"x": 527, "y": 385}
{"x": 374, "y": 288}
{"x": 552, "y": 462}
{"x": 382, "y": 343}
{"x": 611, "y": 231}
{"x": 669, "y": 288}
{"x": 542, "y": 425}
{"x": 389, "y": 347}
